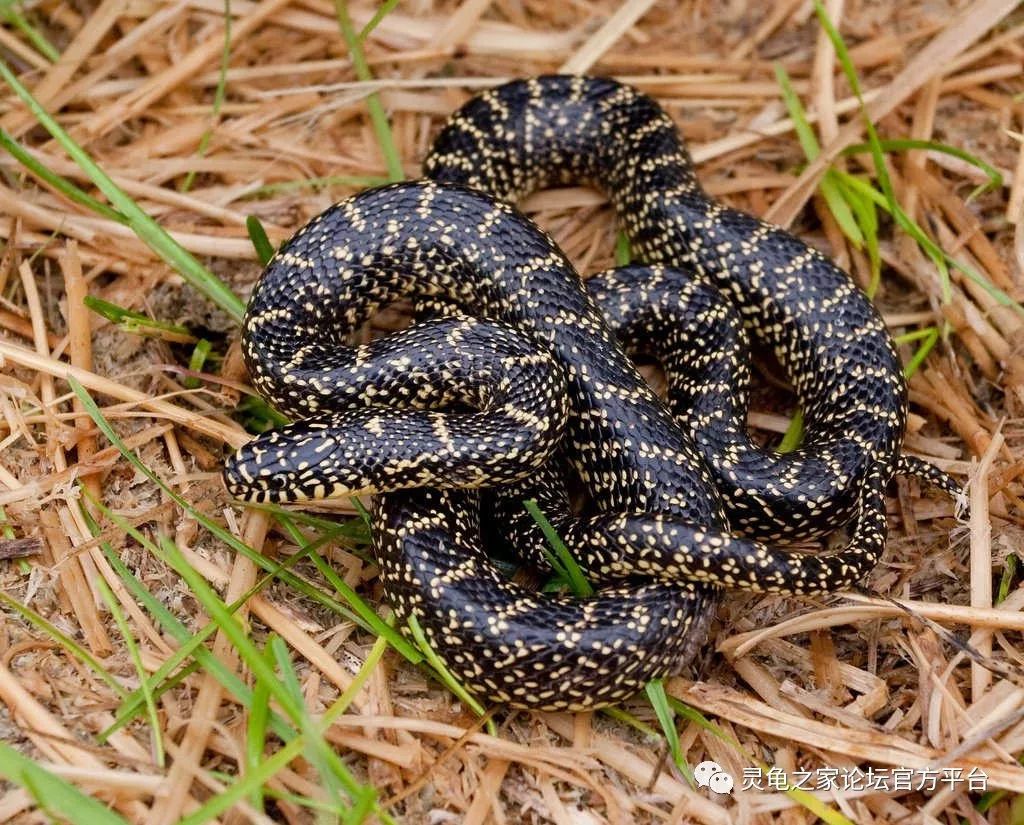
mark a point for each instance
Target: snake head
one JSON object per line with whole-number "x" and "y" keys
{"x": 297, "y": 462}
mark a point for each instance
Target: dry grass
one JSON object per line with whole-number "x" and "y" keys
{"x": 799, "y": 683}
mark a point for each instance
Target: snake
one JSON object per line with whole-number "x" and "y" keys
{"x": 824, "y": 331}
{"x": 515, "y": 375}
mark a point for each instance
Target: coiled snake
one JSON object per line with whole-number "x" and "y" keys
{"x": 512, "y": 376}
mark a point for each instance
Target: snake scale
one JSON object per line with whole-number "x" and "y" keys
{"x": 515, "y": 378}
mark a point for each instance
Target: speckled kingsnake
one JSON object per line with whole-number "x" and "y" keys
{"x": 656, "y": 511}
{"x": 528, "y": 134}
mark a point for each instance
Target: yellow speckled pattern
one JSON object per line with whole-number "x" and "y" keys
{"x": 513, "y": 377}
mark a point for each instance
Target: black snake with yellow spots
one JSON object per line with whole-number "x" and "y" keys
{"x": 512, "y": 378}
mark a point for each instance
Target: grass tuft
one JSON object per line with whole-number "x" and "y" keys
{"x": 942, "y": 259}
{"x": 853, "y": 201}
{"x": 378, "y": 117}
{"x": 147, "y": 229}
{"x": 928, "y": 336}
{"x": 361, "y": 613}
{"x": 197, "y": 362}
{"x": 794, "y": 435}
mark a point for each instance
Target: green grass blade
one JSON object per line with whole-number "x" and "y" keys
{"x": 354, "y": 529}
{"x": 137, "y": 323}
{"x": 281, "y": 660}
{"x": 916, "y": 335}
{"x": 247, "y": 785}
{"x": 666, "y": 718}
{"x": 148, "y": 230}
{"x": 863, "y": 189}
{"x": 623, "y": 253}
{"x": 910, "y": 227}
{"x": 247, "y": 652}
{"x": 196, "y": 363}
{"x": 61, "y": 184}
{"x": 943, "y": 260}
{"x": 378, "y": 117}
{"x": 801, "y": 125}
{"x": 867, "y": 219}
{"x": 364, "y": 514}
{"x": 52, "y": 793}
{"x": 794, "y": 435}
{"x": 995, "y": 177}
{"x": 830, "y": 189}
{"x": 70, "y": 645}
{"x": 824, "y": 812}
{"x": 873, "y": 142}
{"x": 261, "y": 774}
{"x": 874, "y": 145}
{"x": 615, "y": 712}
{"x": 258, "y": 416}
{"x": 1009, "y": 571}
{"x": 35, "y": 37}
{"x": 921, "y": 353}
{"x": 218, "y": 95}
{"x": 222, "y": 616}
{"x": 133, "y": 653}
{"x": 383, "y": 11}
{"x": 260, "y": 241}
{"x": 862, "y": 211}
{"x": 366, "y": 614}
{"x": 6, "y": 529}
{"x": 265, "y": 769}
{"x": 190, "y": 644}
{"x": 990, "y": 798}
{"x": 350, "y": 596}
{"x": 377, "y": 627}
{"x": 841, "y": 210}
{"x": 696, "y": 717}
{"x": 446, "y": 676}
{"x": 256, "y": 735}
{"x": 350, "y": 693}
{"x": 561, "y": 560}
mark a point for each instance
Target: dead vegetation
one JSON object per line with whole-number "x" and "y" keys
{"x": 796, "y": 683}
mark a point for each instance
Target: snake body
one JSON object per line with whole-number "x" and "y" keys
{"x": 824, "y": 331}
{"x": 430, "y": 416}
{"x": 434, "y": 243}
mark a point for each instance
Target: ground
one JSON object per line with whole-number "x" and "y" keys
{"x": 201, "y": 126}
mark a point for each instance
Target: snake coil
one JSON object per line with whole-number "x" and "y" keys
{"x": 513, "y": 376}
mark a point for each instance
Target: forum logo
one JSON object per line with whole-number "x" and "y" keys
{"x": 711, "y": 775}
